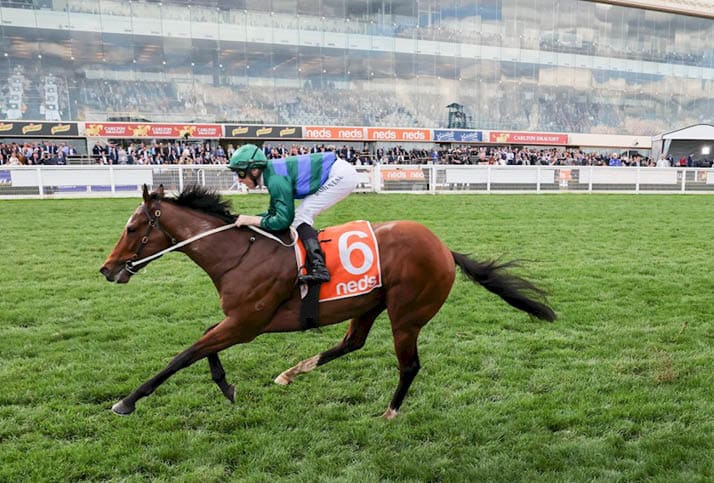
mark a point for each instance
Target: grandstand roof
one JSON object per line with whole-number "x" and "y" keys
{"x": 699, "y": 8}
{"x": 704, "y": 132}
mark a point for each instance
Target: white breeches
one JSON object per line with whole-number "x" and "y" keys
{"x": 340, "y": 182}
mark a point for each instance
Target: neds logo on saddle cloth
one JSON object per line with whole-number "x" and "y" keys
{"x": 352, "y": 257}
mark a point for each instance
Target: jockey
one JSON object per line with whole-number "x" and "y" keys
{"x": 319, "y": 179}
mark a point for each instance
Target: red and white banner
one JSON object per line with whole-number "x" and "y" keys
{"x": 344, "y": 133}
{"x": 507, "y": 137}
{"x": 151, "y": 130}
{"x": 403, "y": 174}
{"x": 398, "y": 134}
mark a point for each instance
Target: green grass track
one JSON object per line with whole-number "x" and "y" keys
{"x": 620, "y": 388}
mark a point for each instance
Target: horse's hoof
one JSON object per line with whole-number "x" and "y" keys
{"x": 231, "y": 394}
{"x": 122, "y": 409}
{"x": 283, "y": 380}
{"x": 389, "y": 414}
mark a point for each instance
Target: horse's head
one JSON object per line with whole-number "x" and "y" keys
{"x": 143, "y": 236}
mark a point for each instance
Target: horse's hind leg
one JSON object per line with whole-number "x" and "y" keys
{"x": 353, "y": 340}
{"x": 405, "y": 345}
{"x": 408, "y": 314}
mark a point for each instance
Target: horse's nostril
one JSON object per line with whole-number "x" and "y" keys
{"x": 107, "y": 274}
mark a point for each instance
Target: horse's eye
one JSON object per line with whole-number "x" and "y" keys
{"x": 130, "y": 229}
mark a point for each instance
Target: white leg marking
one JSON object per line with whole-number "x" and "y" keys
{"x": 305, "y": 366}
{"x": 283, "y": 380}
{"x": 389, "y": 414}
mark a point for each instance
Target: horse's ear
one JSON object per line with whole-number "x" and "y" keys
{"x": 145, "y": 194}
{"x": 160, "y": 192}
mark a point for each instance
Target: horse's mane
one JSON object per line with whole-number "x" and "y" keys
{"x": 206, "y": 200}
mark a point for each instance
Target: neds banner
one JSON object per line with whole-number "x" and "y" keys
{"x": 397, "y": 134}
{"x": 335, "y": 133}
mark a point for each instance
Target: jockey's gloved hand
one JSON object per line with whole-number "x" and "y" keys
{"x": 246, "y": 220}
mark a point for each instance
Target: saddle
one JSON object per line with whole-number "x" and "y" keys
{"x": 352, "y": 258}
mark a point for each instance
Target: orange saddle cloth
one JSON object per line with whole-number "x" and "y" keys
{"x": 352, "y": 257}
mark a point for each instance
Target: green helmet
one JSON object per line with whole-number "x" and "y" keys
{"x": 247, "y": 157}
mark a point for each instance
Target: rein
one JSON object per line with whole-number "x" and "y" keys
{"x": 293, "y": 235}
{"x": 154, "y": 223}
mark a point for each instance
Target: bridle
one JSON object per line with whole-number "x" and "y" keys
{"x": 132, "y": 264}
{"x": 153, "y": 218}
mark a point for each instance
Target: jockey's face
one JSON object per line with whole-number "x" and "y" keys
{"x": 250, "y": 180}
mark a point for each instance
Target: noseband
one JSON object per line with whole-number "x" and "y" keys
{"x": 153, "y": 218}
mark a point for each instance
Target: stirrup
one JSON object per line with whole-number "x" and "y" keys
{"x": 316, "y": 276}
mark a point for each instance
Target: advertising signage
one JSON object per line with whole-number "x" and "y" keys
{"x": 265, "y": 132}
{"x": 351, "y": 133}
{"x": 402, "y": 174}
{"x": 505, "y": 137}
{"x": 398, "y": 134}
{"x": 344, "y": 133}
{"x": 136, "y": 130}
{"x": 457, "y": 135}
{"x": 36, "y": 129}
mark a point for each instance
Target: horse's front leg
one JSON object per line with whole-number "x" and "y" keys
{"x": 219, "y": 375}
{"x": 214, "y": 340}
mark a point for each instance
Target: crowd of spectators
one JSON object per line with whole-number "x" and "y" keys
{"x": 31, "y": 93}
{"x": 507, "y": 102}
{"x": 481, "y": 27}
{"x": 182, "y": 152}
{"x": 508, "y": 156}
{"x": 503, "y": 105}
{"x": 178, "y": 152}
{"x": 15, "y": 154}
{"x": 112, "y": 96}
{"x": 490, "y": 155}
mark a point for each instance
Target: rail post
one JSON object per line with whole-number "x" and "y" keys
{"x": 112, "y": 182}
{"x": 39, "y": 182}
{"x": 180, "y": 173}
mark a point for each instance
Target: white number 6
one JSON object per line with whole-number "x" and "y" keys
{"x": 346, "y": 252}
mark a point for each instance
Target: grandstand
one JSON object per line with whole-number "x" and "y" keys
{"x": 555, "y": 66}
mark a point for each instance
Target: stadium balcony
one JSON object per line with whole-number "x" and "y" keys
{"x": 599, "y": 105}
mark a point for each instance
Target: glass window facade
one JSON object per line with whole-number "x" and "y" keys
{"x": 538, "y": 65}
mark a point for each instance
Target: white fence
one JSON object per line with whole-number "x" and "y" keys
{"x": 86, "y": 181}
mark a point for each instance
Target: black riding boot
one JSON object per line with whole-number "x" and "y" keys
{"x": 317, "y": 271}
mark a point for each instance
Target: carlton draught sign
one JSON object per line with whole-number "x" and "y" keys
{"x": 505, "y": 137}
{"x": 145, "y": 130}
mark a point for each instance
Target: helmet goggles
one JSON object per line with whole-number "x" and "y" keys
{"x": 242, "y": 170}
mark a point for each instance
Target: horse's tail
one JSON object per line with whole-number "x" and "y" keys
{"x": 511, "y": 288}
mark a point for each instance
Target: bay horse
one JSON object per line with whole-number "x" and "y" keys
{"x": 256, "y": 280}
